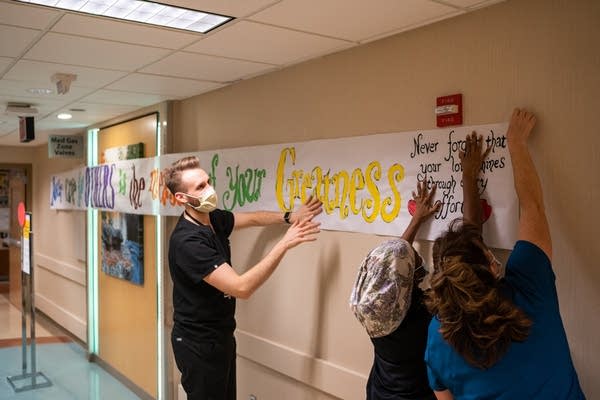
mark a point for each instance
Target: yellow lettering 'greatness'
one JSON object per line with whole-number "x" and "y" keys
{"x": 338, "y": 190}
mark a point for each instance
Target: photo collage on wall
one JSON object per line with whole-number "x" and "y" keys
{"x": 122, "y": 233}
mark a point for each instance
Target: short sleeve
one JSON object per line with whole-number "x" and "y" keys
{"x": 434, "y": 383}
{"x": 222, "y": 221}
{"x": 197, "y": 256}
{"x": 529, "y": 271}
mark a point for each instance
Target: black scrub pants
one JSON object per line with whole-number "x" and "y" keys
{"x": 207, "y": 368}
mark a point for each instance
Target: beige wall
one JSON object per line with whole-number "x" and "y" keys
{"x": 297, "y": 330}
{"x": 59, "y": 249}
{"x": 59, "y": 242}
{"x": 17, "y": 155}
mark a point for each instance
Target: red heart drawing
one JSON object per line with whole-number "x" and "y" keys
{"x": 486, "y": 210}
{"x": 412, "y": 207}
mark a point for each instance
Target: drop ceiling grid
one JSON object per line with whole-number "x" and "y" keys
{"x": 14, "y": 40}
{"x": 121, "y": 31}
{"x": 264, "y": 43}
{"x": 233, "y": 8}
{"x": 350, "y": 20}
{"x": 117, "y": 97}
{"x": 470, "y": 4}
{"x": 39, "y": 72}
{"x": 204, "y": 67}
{"x": 4, "y": 63}
{"x": 61, "y": 48}
{"x": 161, "y": 85}
{"x": 123, "y": 65}
{"x": 18, "y": 88}
{"x": 12, "y": 13}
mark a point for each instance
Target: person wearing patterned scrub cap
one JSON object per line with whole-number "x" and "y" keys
{"x": 387, "y": 300}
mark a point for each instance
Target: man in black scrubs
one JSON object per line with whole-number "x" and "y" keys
{"x": 205, "y": 285}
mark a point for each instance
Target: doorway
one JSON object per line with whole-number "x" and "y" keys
{"x": 14, "y": 184}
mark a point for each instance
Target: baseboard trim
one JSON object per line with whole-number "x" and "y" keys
{"x": 62, "y": 317}
{"x": 318, "y": 373}
{"x": 38, "y": 340}
{"x": 141, "y": 393}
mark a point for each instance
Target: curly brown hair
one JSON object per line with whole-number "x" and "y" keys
{"x": 476, "y": 318}
{"x": 172, "y": 175}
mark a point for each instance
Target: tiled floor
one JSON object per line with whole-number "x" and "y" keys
{"x": 10, "y": 321}
{"x": 64, "y": 363}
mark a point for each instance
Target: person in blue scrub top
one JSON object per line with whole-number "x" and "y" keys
{"x": 495, "y": 337}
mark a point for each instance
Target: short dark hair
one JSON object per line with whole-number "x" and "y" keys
{"x": 172, "y": 174}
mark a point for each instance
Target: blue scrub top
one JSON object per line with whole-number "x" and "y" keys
{"x": 538, "y": 368}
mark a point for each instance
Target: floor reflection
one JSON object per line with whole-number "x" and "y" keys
{"x": 62, "y": 360}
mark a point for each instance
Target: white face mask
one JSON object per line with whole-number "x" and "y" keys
{"x": 207, "y": 201}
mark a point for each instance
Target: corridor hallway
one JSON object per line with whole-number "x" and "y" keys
{"x": 60, "y": 357}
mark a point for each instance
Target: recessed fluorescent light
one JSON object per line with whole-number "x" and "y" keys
{"x": 147, "y": 12}
{"x": 64, "y": 116}
{"x": 40, "y": 91}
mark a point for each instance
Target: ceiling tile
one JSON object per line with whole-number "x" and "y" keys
{"x": 264, "y": 43}
{"x": 6, "y": 119}
{"x": 44, "y": 107}
{"x": 4, "y": 63}
{"x": 196, "y": 66}
{"x": 109, "y": 56}
{"x": 110, "y": 29}
{"x": 47, "y": 104}
{"x": 166, "y": 86}
{"x": 233, "y": 8}
{"x": 93, "y": 113}
{"x": 60, "y": 48}
{"x": 53, "y": 123}
{"x": 13, "y": 40}
{"x": 7, "y": 125}
{"x": 19, "y": 89}
{"x": 116, "y": 97}
{"x": 50, "y": 124}
{"x": 351, "y": 20}
{"x": 41, "y": 72}
{"x": 28, "y": 16}
{"x": 102, "y": 111}
{"x": 472, "y": 4}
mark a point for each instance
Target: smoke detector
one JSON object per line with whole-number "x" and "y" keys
{"x": 21, "y": 109}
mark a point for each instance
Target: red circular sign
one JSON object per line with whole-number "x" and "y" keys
{"x": 21, "y": 213}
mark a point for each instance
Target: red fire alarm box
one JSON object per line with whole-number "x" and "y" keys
{"x": 448, "y": 110}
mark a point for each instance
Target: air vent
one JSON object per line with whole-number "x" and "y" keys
{"x": 20, "y": 109}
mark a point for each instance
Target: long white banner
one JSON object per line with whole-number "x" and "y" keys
{"x": 365, "y": 182}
